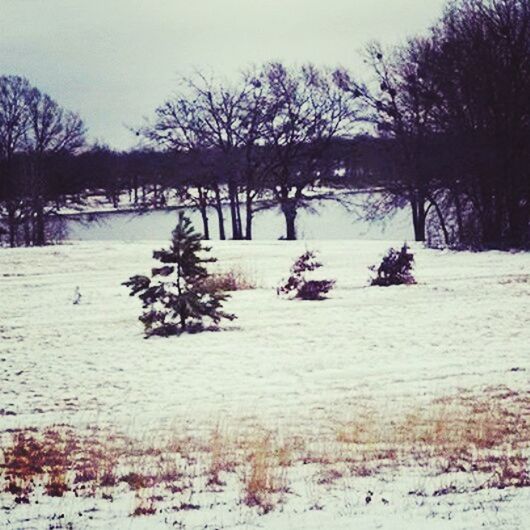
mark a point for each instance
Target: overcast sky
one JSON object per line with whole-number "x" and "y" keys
{"x": 114, "y": 61}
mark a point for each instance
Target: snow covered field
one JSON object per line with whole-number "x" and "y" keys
{"x": 299, "y": 370}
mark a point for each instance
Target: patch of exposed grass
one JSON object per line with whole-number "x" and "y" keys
{"x": 264, "y": 479}
{"x": 235, "y": 279}
{"x": 487, "y": 436}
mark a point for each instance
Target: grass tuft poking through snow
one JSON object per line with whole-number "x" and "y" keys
{"x": 235, "y": 279}
{"x": 265, "y": 478}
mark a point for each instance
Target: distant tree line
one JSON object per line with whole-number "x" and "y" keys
{"x": 443, "y": 127}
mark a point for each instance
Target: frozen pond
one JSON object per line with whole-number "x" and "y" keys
{"x": 328, "y": 221}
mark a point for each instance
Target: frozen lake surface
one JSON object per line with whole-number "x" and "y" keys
{"x": 328, "y": 221}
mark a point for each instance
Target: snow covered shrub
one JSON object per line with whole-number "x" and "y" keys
{"x": 298, "y": 286}
{"x": 177, "y": 297}
{"x": 395, "y": 269}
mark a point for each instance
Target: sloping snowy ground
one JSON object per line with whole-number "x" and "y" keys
{"x": 288, "y": 365}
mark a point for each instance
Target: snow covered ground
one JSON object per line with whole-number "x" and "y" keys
{"x": 300, "y": 369}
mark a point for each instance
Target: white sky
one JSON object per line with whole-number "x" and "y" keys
{"x": 114, "y": 61}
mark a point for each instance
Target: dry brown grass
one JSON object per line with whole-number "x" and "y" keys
{"x": 264, "y": 480}
{"x": 235, "y": 279}
{"x": 44, "y": 457}
{"x": 220, "y": 460}
{"x": 445, "y": 425}
{"x": 144, "y": 505}
{"x": 487, "y": 435}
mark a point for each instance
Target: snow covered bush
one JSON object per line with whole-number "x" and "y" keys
{"x": 177, "y": 297}
{"x": 298, "y": 286}
{"x": 395, "y": 268}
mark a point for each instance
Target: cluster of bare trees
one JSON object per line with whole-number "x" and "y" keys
{"x": 455, "y": 107}
{"x": 35, "y": 135}
{"x": 450, "y": 113}
{"x": 270, "y": 136}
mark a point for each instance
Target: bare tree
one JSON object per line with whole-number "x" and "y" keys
{"x": 219, "y": 127}
{"x": 14, "y": 122}
{"x": 230, "y": 124}
{"x": 34, "y": 129}
{"x": 251, "y": 160}
{"x": 404, "y": 108}
{"x": 306, "y": 110}
{"x": 179, "y": 127}
{"x": 51, "y": 130}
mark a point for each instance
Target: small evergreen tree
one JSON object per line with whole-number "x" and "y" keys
{"x": 298, "y": 286}
{"x": 176, "y": 298}
{"x": 395, "y": 268}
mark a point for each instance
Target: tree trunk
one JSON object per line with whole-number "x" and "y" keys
{"x": 418, "y": 218}
{"x": 248, "y": 217}
{"x": 441, "y": 220}
{"x": 204, "y": 213}
{"x": 234, "y": 207}
{"x": 27, "y": 231}
{"x": 490, "y": 226}
{"x": 515, "y": 217}
{"x": 238, "y": 216}
{"x": 39, "y": 236}
{"x": 219, "y": 208}
{"x": 12, "y": 225}
{"x": 489, "y": 215}
{"x": 289, "y": 211}
{"x": 462, "y": 238}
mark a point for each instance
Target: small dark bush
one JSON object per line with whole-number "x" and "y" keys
{"x": 297, "y": 286}
{"x": 395, "y": 269}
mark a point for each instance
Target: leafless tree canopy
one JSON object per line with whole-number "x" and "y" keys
{"x": 456, "y": 105}
{"x": 35, "y": 132}
{"x": 266, "y": 136}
